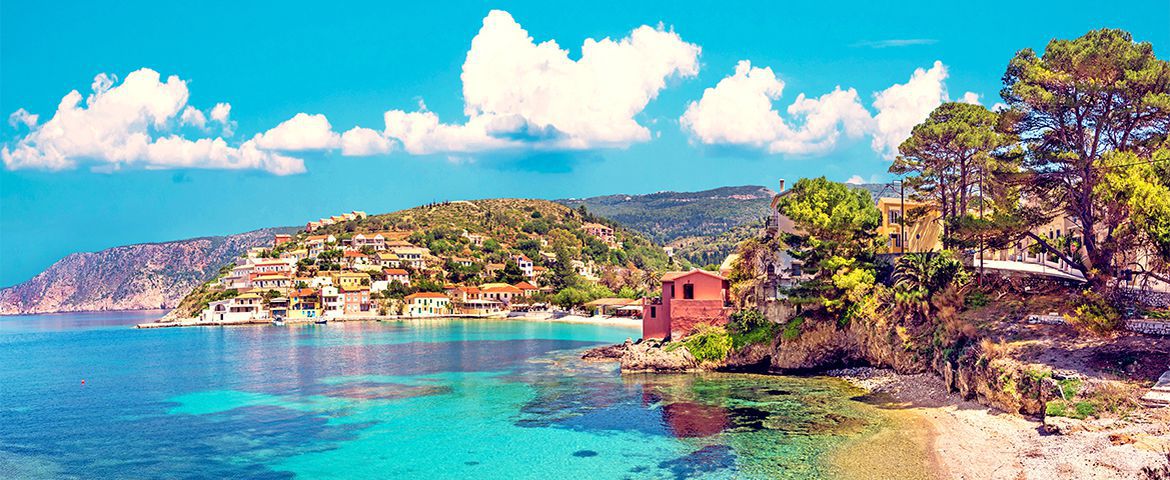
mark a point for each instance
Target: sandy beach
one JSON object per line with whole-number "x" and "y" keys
{"x": 964, "y": 440}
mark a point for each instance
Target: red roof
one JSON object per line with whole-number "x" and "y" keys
{"x": 351, "y": 253}
{"x": 504, "y": 289}
{"x": 425, "y": 295}
{"x": 395, "y": 271}
{"x": 526, "y": 286}
{"x": 672, "y": 276}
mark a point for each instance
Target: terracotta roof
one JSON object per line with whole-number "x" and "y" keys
{"x": 395, "y": 271}
{"x": 353, "y": 254}
{"x": 424, "y": 295}
{"x": 502, "y": 289}
{"x": 525, "y": 286}
{"x": 671, "y": 276}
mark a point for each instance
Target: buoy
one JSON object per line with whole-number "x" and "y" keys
{"x": 83, "y": 381}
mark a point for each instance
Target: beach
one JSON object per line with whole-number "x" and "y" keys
{"x": 964, "y": 440}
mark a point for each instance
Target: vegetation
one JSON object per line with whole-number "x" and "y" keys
{"x": 709, "y": 343}
{"x": 837, "y": 244}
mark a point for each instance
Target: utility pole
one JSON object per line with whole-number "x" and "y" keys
{"x": 902, "y": 213}
{"x": 982, "y": 198}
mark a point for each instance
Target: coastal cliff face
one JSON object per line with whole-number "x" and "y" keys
{"x": 131, "y": 277}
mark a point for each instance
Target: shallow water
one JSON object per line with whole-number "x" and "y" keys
{"x": 87, "y": 397}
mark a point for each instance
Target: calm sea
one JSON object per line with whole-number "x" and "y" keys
{"x": 86, "y": 396}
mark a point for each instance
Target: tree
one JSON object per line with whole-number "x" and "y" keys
{"x": 1072, "y": 106}
{"x": 951, "y": 160}
{"x": 511, "y": 273}
{"x": 920, "y": 277}
{"x": 836, "y": 241}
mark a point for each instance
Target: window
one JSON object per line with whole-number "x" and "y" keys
{"x": 895, "y": 240}
{"x": 895, "y": 216}
{"x": 688, "y": 292}
{"x": 653, "y": 312}
{"x": 672, "y": 290}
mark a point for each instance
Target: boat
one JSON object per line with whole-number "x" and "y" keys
{"x": 278, "y": 321}
{"x": 321, "y": 321}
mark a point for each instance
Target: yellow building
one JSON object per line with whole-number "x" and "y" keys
{"x": 351, "y": 279}
{"x": 903, "y": 236}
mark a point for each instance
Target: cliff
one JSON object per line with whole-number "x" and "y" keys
{"x": 130, "y": 277}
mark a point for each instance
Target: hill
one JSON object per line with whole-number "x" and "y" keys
{"x": 422, "y": 249}
{"x": 668, "y": 216}
{"x": 130, "y": 277}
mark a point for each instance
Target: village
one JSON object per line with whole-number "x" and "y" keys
{"x": 311, "y": 277}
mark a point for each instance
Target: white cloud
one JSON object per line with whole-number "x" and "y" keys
{"x": 970, "y": 97}
{"x": 127, "y": 126}
{"x": 194, "y": 117}
{"x": 739, "y": 111}
{"x": 301, "y": 132}
{"x": 518, "y": 93}
{"x": 359, "y": 141}
{"x": 221, "y": 114}
{"x": 855, "y": 180}
{"x": 22, "y": 117}
{"x": 221, "y": 111}
{"x": 904, "y": 105}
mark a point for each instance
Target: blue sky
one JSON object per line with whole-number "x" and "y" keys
{"x": 351, "y": 62}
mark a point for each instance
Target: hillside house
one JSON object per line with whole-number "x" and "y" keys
{"x": 332, "y": 302}
{"x": 355, "y": 300}
{"x": 500, "y": 292}
{"x": 426, "y": 304}
{"x": 524, "y": 263}
{"x": 248, "y": 306}
{"x": 397, "y": 275}
{"x": 602, "y": 232}
{"x": 688, "y": 299}
{"x": 272, "y": 282}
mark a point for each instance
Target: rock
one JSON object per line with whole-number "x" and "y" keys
{"x": 1063, "y": 425}
{"x": 607, "y": 353}
{"x": 650, "y": 357}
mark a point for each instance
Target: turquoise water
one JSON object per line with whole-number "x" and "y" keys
{"x": 83, "y": 396}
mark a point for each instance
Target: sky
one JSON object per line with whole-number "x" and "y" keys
{"x": 136, "y": 122}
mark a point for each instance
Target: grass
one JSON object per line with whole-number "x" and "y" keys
{"x": 709, "y": 344}
{"x": 758, "y": 335}
{"x": 1077, "y": 410}
{"x": 1069, "y": 387}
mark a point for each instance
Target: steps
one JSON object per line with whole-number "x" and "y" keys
{"x": 1159, "y": 396}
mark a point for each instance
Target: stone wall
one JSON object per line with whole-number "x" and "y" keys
{"x": 685, "y": 314}
{"x": 1148, "y": 326}
{"x": 1148, "y": 298}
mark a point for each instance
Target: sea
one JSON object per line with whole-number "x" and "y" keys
{"x": 87, "y": 396}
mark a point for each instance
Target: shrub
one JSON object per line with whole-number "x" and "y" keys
{"x": 709, "y": 343}
{"x": 976, "y": 299}
{"x": 1094, "y": 314}
{"x": 792, "y": 328}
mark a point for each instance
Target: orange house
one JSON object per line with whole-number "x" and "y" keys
{"x": 688, "y": 299}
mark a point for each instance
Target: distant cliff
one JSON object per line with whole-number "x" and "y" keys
{"x": 141, "y": 276}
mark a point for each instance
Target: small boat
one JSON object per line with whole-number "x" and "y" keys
{"x": 278, "y": 321}
{"x": 321, "y": 321}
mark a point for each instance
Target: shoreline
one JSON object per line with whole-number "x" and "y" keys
{"x": 965, "y": 440}
{"x": 545, "y": 317}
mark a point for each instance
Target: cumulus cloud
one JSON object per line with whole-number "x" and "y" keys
{"x": 904, "y": 105}
{"x": 221, "y": 114}
{"x": 22, "y": 117}
{"x": 299, "y": 133}
{"x": 518, "y": 93}
{"x": 194, "y": 117}
{"x": 740, "y": 111}
{"x": 359, "y": 141}
{"x": 127, "y": 126}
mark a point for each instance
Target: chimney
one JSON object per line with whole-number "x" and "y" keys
{"x": 781, "y": 186}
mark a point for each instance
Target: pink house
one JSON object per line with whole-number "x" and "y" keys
{"x": 688, "y": 299}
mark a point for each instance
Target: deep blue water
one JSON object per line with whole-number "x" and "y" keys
{"x": 85, "y": 396}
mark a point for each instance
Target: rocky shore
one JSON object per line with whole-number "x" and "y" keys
{"x": 966, "y": 439}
